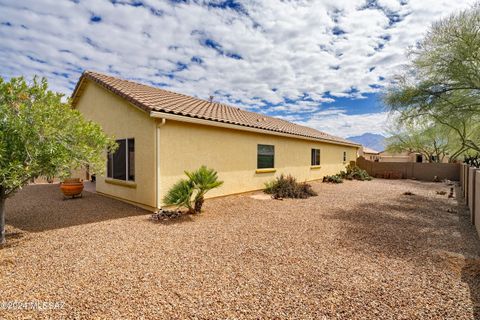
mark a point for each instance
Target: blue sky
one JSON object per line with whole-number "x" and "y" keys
{"x": 316, "y": 63}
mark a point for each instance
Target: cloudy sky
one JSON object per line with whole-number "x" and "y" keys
{"x": 320, "y": 63}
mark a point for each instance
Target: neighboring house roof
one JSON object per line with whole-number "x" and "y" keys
{"x": 152, "y": 99}
{"x": 368, "y": 150}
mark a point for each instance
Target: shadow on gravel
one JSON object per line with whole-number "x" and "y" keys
{"x": 418, "y": 229}
{"x": 13, "y": 238}
{"x": 39, "y": 208}
{"x": 471, "y": 267}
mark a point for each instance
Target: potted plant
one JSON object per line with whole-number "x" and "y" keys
{"x": 72, "y": 187}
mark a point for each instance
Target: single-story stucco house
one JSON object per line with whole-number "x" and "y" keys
{"x": 161, "y": 134}
{"x": 369, "y": 154}
{"x": 407, "y": 156}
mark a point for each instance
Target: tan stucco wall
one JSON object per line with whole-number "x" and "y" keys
{"x": 122, "y": 120}
{"x": 471, "y": 192}
{"x": 233, "y": 153}
{"x": 476, "y": 211}
{"x": 397, "y": 157}
{"x": 412, "y": 170}
{"x": 371, "y": 156}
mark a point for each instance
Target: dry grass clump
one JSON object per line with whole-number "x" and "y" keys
{"x": 352, "y": 172}
{"x": 288, "y": 187}
{"x": 336, "y": 178}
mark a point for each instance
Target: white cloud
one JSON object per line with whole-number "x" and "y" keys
{"x": 338, "y": 122}
{"x": 288, "y": 49}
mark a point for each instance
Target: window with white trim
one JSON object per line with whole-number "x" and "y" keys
{"x": 121, "y": 163}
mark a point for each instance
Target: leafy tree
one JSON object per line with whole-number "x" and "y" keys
{"x": 442, "y": 82}
{"x": 42, "y": 136}
{"x": 472, "y": 159}
{"x": 429, "y": 139}
{"x": 190, "y": 193}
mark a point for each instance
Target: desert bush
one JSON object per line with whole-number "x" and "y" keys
{"x": 353, "y": 172}
{"x": 336, "y": 178}
{"x": 189, "y": 193}
{"x": 288, "y": 187}
{"x": 270, "y": 186}
{"x": 305, "y": 190}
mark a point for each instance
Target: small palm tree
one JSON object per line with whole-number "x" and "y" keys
{"x": 180, "y": 195}
{"x": 203, "y": 180}
{"x": 198, "y": 184}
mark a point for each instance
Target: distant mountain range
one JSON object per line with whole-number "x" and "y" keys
{"x": 371, "y": 140}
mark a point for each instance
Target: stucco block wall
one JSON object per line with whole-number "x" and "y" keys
{"x": 471, "y": 188}
{"x": 476, "y": 213}
{"x": 471, "y": 192}
{"x": 465, "y": 181}
{"x": 122, "y": 120}
{"x": 409, "y": 170}
{"x": 462, "y": 170}
{"x": 427, "y": 171}
{"x": 233, "y": 153}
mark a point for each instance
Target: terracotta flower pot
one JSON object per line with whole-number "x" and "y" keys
{"x": 71, "y": 187}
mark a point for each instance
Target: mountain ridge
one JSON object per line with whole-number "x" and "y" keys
{"x": 370, "y": 140}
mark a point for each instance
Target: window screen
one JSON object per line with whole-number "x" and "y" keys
{"x": 121, "y": 164}
{"x": 265, "y": 156}
{"x": 131, "y": 159}
{"x": 315, "y": 157}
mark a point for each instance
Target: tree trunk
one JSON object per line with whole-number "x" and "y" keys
{"x": 198, "y": 205}
{"x": 2, "y": 217}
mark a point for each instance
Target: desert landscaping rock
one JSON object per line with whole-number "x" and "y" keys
{"x": 357, "y": 250}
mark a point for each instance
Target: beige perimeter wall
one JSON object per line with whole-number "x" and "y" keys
{"x": 470, "y": 185}
{"x": 421, "y": 171}
{"x": 233, "y": 153}
{"x": 476, "y": 206}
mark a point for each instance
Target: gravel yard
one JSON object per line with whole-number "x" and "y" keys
{"x": 358, "y": 250}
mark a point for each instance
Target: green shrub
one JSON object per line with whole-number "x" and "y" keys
{"x": 336, "y": 178}
{"x": 180, "y": 195}
{"x": 353, "y": 172}
{"x": 288, "y": 187}
{"x": 270, "y": 186}
{"x": 190, "y": 193}
{"x": 203, "y": 180}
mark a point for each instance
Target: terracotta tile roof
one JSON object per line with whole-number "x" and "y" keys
{"x": 155, "y": 99}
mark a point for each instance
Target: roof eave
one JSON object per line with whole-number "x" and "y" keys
{"x": 74, "y": 96}
{"x": 182, "y": 118}
{"x": 186, "y": 118}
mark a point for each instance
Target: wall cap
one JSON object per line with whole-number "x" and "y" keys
{"x": 265, "y": 170}
{"x": 128, "y": 184}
